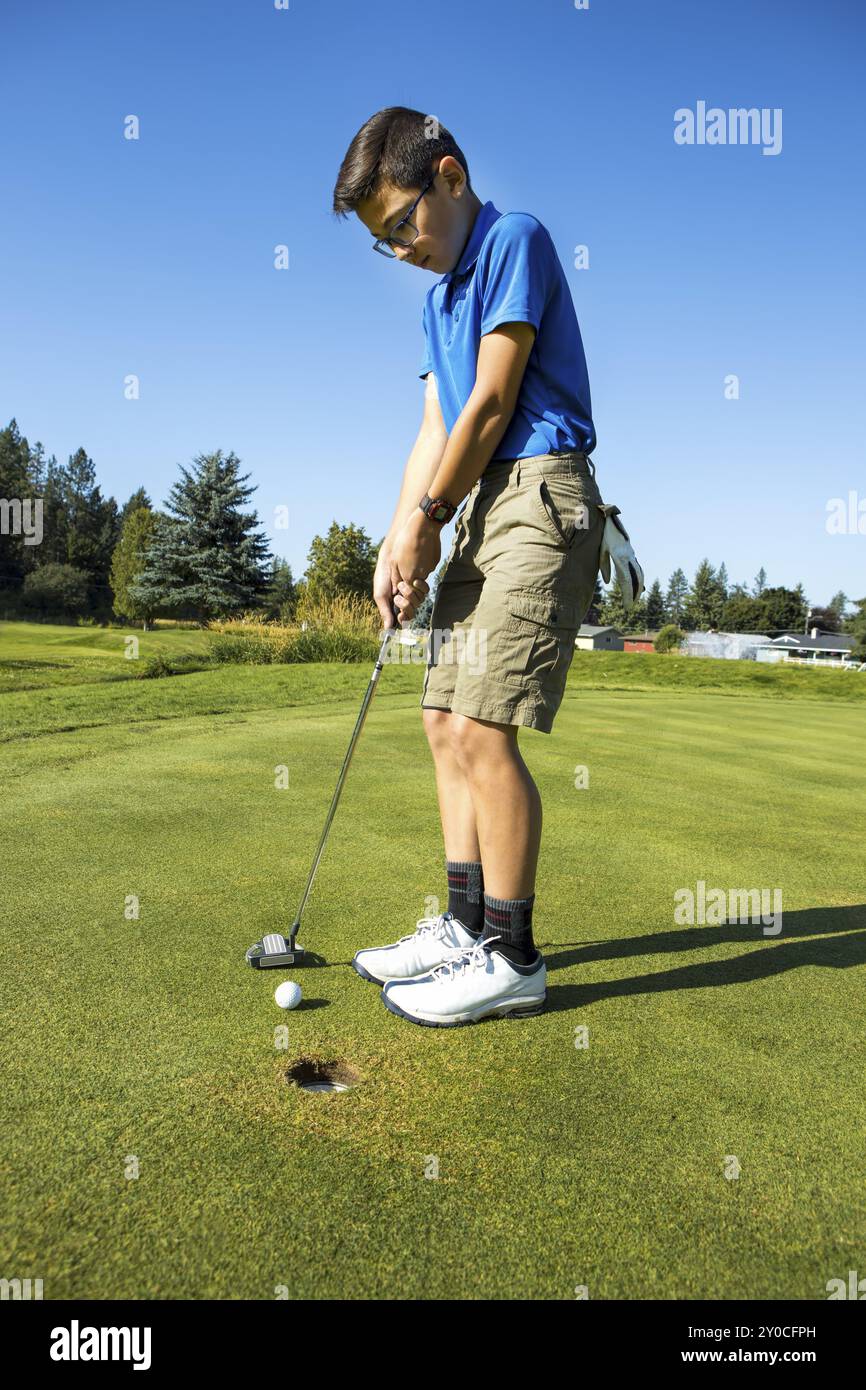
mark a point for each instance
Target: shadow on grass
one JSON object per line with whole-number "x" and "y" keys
{"x": 803, "y": 940}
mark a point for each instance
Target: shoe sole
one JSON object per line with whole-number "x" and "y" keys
{"x": 507, "y": 1009}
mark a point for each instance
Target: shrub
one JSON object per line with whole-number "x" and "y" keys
{"x": 670, "y": 638}
{"x": 343, "y": 628}
{"x": 53, "y": 590}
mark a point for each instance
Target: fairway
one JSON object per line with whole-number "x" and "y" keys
{"x": 152, "y": 1147}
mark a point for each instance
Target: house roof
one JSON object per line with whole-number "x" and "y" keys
{"x": 587, "y": 630}
{"x": 798, "y": 641}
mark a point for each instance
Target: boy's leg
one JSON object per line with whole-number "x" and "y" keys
{"x": 508, "y": 818}
{"x": 457, "y": 813}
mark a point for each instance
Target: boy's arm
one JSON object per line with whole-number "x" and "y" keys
{"x": 423, "y": 461}
{"x": 502, "y": 358}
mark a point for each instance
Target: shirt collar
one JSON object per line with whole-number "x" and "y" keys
{"x": 484, "y": 220}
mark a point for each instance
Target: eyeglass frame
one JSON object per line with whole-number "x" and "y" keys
{"x": 386, "y": 240}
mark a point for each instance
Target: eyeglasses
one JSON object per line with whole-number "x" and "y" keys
{"x": 384, "y": 243}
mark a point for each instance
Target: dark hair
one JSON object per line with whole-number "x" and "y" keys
{"x": 393, "y": 146}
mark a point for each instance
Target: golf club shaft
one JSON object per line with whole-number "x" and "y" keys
{"x": 389, "y": 635}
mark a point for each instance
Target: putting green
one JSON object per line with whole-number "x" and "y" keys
{"x": 147, "y": 1046}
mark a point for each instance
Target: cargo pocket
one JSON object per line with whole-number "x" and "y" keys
{"x": 538, "y": 638}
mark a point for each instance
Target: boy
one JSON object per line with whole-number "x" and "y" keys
{"x": 508, "y": 427}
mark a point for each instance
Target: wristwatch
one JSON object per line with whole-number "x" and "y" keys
{"x": 438, "y": 509}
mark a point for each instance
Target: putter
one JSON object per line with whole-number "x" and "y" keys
{"x": 276, "y": 950}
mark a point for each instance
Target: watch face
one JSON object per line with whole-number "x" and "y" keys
{"x": 441, "y": 512}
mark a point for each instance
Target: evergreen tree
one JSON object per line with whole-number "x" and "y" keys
{"x": 19, "y": 484}
{"x": 127, "y": 563}
{"x": 205, "y": 557}
{"x": 655, "y": 608}
{"x": 760, "y": 582}
{"x": 855, "y": 622}
{"x": 593, "y": 612}
{"x": 839, "y": 603}
{"x": 615, "y": 614}
{"x": 138, "y": 499}
{"x": 786, "y": 609}
{"x": 743, "y": 613}
{"x": 282, "y": 595}
{"x": 675, "y": 599}
{"x": 703, "y": 607}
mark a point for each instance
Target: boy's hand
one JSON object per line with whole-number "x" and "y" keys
{"x": 415, "y": 553}
{"x": 387, "y": 584}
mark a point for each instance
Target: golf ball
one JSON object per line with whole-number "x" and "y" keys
{"x": 288, "y": 994}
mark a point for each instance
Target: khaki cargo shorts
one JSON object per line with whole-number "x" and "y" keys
{"x": 517, "y": 583}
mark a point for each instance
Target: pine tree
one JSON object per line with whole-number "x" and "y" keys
{"x": 675, "y": 599}
{"x": 19, "y": 485}
{"x": 839, "y": 603}
{"x": 760, "y": 582}
{"x": 593, "y": 613}
{"x": 127, "y": 563}
{"x": 138, "y": 499}
{"x": 205, "y": 556}
{"x": 282, "y": 593}
{"x": 613, "y": 610}
{"x": 703, "y": 609}
{"x": 655, "y": 608}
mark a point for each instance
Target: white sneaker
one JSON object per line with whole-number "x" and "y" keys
{"x": 432, "y": 941}
{"x": 474, "y": 982}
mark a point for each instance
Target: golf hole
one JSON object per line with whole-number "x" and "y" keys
{"x": 321, "y": 1076}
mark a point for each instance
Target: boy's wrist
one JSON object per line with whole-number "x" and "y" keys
{"x": 437, "y": 510}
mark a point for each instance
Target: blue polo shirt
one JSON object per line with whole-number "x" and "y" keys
{"x": 509, "y": 271}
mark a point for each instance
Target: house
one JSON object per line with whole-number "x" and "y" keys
{"x": 639, "y": 642}
{"x": 818, "y": 649}
{"x": 598, "y": 639}
{"x": 733, "y": 646}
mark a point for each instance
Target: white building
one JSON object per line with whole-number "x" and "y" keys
{"x": 598, "y": 639}
{"x": 818, "y": 649}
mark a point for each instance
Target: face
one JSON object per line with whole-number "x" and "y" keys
{"x": 442, "y": 218}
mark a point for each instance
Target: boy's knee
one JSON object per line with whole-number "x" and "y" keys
{"x": 436, "y": 722}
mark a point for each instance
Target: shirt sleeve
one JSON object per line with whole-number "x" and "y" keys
{"x": 426, "y": 362}
{"x": 517, "y": 274}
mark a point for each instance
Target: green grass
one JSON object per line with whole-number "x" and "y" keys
{"x": 558, "y": 1166}
{"x": 35, "y": 655}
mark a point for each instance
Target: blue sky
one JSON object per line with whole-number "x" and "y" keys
{"x": 155, "y": 257}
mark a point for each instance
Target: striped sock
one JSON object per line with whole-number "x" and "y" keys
{"x": 511, "y": 920}
{"x": 466, "y": 893}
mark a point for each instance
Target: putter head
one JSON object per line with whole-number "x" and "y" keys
{"x": 275, "y": 950}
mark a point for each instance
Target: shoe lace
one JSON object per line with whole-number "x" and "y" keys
{"x": 429, "y": 926}
{"x": 472, "y": 957}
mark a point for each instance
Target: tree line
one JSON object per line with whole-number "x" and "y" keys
{"x": 204, "y": 556}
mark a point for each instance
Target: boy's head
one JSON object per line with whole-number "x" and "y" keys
{"x": 390, "y": 161}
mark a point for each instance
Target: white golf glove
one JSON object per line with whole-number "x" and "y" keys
{"x": 616, "y": 546}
